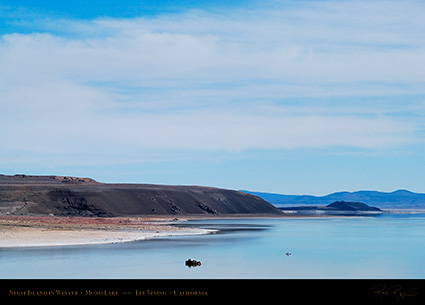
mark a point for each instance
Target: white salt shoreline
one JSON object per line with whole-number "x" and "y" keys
{"x": 36, "y": 237}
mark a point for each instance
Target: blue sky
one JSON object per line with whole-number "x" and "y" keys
{"x": 295, "y": 97}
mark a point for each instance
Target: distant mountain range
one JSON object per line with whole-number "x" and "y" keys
{"x": 400, "y": 199}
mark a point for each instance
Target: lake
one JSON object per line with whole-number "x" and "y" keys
{"x": 385, "y": 246}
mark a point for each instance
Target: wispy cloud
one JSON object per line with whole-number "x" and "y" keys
{"x": 229, "y": 81}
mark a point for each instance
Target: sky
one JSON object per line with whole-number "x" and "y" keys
{"x": 291, "y": 97}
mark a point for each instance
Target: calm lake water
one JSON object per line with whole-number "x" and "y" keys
{"x": 387, "y": 246}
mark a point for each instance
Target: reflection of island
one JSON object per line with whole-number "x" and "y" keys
{"x": 335, "y": 208}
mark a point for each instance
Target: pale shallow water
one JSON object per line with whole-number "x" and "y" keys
{"x": 387, "y": 246}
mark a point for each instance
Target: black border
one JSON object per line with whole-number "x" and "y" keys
{"x": 280, "y": 291}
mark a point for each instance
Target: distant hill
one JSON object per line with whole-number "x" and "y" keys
{"x": 401, "y": 199}
{"x": 335, "y": 208}
{"x": 75, "y": 196}
{"x": 350, "y": 206}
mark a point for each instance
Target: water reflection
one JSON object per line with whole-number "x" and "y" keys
{"x": 360, "y": 247}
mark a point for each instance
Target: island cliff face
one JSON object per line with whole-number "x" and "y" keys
{"x": 73, "y": 196}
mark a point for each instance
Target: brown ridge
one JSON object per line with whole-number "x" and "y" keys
{"x": 74, "y": 196}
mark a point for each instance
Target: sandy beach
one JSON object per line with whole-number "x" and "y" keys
{"x": 44, "y": 231}
{"x": 30, "y": 231}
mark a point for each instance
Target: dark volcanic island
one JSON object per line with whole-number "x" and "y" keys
{"x": 341, "y": 208}
{"x": 73, "y": 196}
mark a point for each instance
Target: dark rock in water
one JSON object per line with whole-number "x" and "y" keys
{"x": 73, "y": 196}
{"x": 192, "y": 263}
{"x": 350, "y": 206}
{"x": 336, "y": 208}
